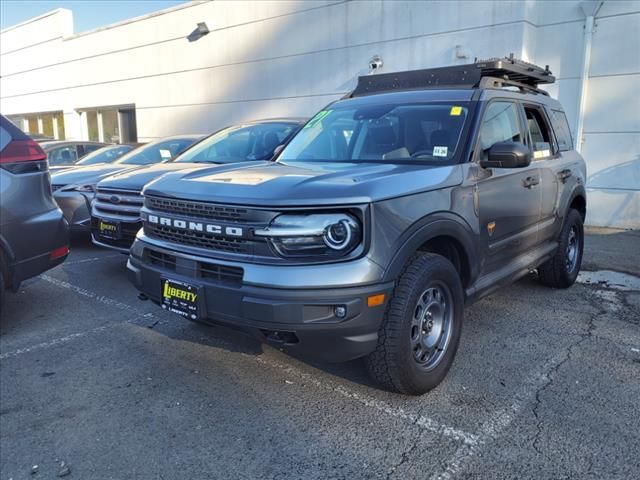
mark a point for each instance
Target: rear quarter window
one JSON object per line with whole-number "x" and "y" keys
{"x": 561, "y": 129}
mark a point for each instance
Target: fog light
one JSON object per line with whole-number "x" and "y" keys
{"x": 340, "y": 312}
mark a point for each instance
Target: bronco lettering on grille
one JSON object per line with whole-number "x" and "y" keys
{"x": 211, "y": 228}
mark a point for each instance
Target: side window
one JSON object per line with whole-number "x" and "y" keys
{"x": 538, "y": 132}
{"x": 90, "y": 147}
{"x": 561, "y": 129}
{"x": 500, "y": 124}
{"x": 62, "y": 156}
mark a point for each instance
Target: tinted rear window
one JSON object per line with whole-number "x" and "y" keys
{"x": 561, "y": 129}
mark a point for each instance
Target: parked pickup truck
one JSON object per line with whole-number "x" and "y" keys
{"x": 390, "y": 210}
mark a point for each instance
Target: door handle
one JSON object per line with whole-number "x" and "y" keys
{"x": 563, "y": 175}
{"x": 530, "y": 182}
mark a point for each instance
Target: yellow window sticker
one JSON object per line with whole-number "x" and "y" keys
{"x": 314, "y": 121}
{"x": 456, "y": 111}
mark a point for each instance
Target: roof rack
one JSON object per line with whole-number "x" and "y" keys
{"x": 491, "y": 73}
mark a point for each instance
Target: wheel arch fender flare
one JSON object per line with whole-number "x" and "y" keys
{"x": 578, "y": 191}
{"x": 6, "y": 256}
{"x": 428, "y": 228}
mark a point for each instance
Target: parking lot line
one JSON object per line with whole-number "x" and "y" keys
{"x": 502, "y": 418}
{"x": 92, "y": 259}
{"x": 54, "y": 342}
{"x": 421, "y": 421}
{"x": 92, "y": 295}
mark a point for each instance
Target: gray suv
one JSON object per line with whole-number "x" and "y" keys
{"x": 390, "y": 210}
{"x": 33, "y": 232}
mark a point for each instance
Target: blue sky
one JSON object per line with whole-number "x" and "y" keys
{"x": 87, "y": 14}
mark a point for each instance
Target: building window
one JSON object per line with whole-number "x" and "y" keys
{"x": 110, "y": 130}
{"x": 48, "y": 124}
{"x": 92, "y": 126}
{"x": 111, "y": 124}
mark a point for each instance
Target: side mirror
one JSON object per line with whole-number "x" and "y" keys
{"x": 277, "y": 151}
{"x": 507, "y": 155}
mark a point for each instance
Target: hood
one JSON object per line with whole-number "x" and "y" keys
{"x": 139, "y": 177}
{"x": 304, "y": 184}
{"x": 88, "y": 175}
{"x": 58, "y": 168}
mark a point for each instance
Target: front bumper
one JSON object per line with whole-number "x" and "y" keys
{"x": 128, "y": 231}
{"x": 299, "y": 320}
{"x": 76, "y": 208}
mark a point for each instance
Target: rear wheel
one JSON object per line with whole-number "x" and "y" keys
{"x": 561, "y": 270}
{"x": 419, "y": 336}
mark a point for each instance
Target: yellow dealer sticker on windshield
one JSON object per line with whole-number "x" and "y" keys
{"x": 314, "y": 121}
{"x": 456, "y": 111}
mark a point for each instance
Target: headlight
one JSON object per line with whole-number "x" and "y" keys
{"x": 330, "y": 235}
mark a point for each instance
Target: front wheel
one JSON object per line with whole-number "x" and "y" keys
{"x": 561, "y": 270}
{"x": 419, "y": 335}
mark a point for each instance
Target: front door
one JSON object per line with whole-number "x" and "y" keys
{"x": 508, "y": 199}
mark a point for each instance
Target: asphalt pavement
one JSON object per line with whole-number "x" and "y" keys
{"x": 96, "y": 384}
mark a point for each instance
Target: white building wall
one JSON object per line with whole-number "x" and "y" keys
{"x": 275, "y": 58}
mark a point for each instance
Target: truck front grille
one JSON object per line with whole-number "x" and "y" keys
{"x": 123, "y": 204}
{"x": 247, "y": 218}
{"x": 196, "y": 239}
{"x": 197, "y": 209}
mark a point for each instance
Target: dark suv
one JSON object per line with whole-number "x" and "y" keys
{"x": 33, "y": 232}
{"x": 390, "y": 210}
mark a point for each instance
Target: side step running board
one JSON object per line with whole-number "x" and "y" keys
{"x": 510, "y": 272}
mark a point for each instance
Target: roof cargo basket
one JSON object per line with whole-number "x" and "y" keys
{"x": 492, "y": 73}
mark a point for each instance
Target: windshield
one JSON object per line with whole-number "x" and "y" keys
{"x": 156, "y": 152}
{"x": 240, "y": 143}
{"x": 425, "y": 133}
{"x": 105, "y": 155}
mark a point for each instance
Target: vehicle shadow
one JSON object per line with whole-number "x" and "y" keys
{"x": 230, "y": 339}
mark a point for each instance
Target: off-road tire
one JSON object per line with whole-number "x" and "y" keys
{"x": 392, "y": 363}
{"x": 555, "y": 272}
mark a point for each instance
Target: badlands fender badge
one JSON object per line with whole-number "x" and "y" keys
{"x": 491, "y": 227}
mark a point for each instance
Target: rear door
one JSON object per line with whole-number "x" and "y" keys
{"x": 508, "y": 199}
{"x": 548, "y": 159}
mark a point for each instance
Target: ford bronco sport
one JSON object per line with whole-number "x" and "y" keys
{"x": 391, "y": 209}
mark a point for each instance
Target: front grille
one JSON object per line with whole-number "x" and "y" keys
{"x": 196, "y": 209}
{"x": 128, "y": 233}
{"x": 206, "y": 270}
{"x": 247, "y": 218}
{"x": 124, "y": 204}
{"x": 196, "y": 239}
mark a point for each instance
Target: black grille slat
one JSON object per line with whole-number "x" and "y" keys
{"x": 210, "y": 271}
{"x": 196, "y": 239}
{"x": 163, "y": 260}
{"x": 221, "y": 273}
{"x": 197, "y": 209}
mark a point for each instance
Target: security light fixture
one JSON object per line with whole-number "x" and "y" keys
{"x": 200, "y": 31}
{"x": 375, "y": 63}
